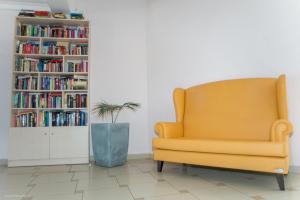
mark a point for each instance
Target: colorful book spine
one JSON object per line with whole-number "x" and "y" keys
{"x": 56, "y": 83}
{"x": 44, "y": 118}
{"x": 76, "y": 100}
{"x": 28, "y": 47}
{"x": 77, "y": 66}
{"x": 69, "y": 118}
{"x": 50, "y": 65}
{"x": 26, "y": 100}
{"x": 26, "y": 64}
{"x": 78, "y": 49}
{"x": 34, "y": 30}
{"x": 26, "y": 119}
{"x": 26, "y": 83}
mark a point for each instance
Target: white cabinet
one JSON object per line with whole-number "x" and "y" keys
{"x": 48, "y": 146}
{"x": 69, "y": 142}
{"x": 28, "y": 143}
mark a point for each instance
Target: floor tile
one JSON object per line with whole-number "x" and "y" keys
{"x": 174, "y": 197}
{"x": 186, "y": 182}
{"x": 14, "y": 181}
{"x": 94, "y": 184}
{"x": 80, "y": 168}
{"x": 126, "y": 179}
{"x": 281, "y": 195}
{"x": 54, "y": 169}
{"x": 52, "y": 178}
{"x": 77, "y": 196}
{"x": 90, "y": 175}
{"x": 21, "y": 170}
{"x": 108, "y": 194}
{"x": 218, "y": 193}
{"x": 53, "y": 188}
{"x": 139, "y": 180}
{"x": 123, "y": 170}
{"x": 146, "y": 190}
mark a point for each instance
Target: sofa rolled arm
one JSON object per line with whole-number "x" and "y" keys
{"x": 169, "y": 129}
{"x": 281, "y": 130}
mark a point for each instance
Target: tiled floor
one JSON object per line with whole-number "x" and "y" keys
{"x": 138, "y": 180}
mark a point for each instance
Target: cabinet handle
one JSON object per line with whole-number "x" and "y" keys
{"x": 52, "y": 133}
{"x": 45, "y": 133}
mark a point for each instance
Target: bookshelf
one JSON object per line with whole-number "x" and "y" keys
{"x": 50, "y": 92}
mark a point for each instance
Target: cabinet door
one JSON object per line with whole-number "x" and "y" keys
{"x": 28, "y": 143}
{"x": 69, "y": 142}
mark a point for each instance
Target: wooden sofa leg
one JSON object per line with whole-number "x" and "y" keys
{"x": 160, "y": 165}
{"x": 280, "y": 181}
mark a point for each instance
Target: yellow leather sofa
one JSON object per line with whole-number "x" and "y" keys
{"x": 237, "y": 124}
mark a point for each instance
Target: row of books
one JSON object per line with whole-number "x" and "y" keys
{"x": 51, "y": 65}
{"x": 27, "y": 64}
{"x": 28, "y": 47}
{"x": 26, "y": 83}
{"x": 34, "y": 100}
{"x": 25, "y": 119}
{"x": 55, "y": 48}
{"x": 56, "y": 83}
{"x": 67, "y": 118}
{"x": 79, "y": 49}
{"x": 51, "y": 83}
{"x": 44, "y": 118}
{"x": 77, "y": 66}
{"x": 55, "y": 118}
{"x": 26, "y": 100}
{"x": 46, "y": 14}
{"x": 36, "y": 30}
{"x": 76, "y": 100}
{"x": 24, "y": 64}
{"x": 34, "y": 13}
{"x": 49, "y": 100}
{"x": 62, "y": 48}
{"x": 39, "y": 65}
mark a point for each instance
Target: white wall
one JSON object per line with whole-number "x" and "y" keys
{"x": 118, "y": 61}
{"x": 196, "y": 41}
{"x": 6, "y": 50}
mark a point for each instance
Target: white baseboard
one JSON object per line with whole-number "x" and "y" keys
{"x": 294, "y": 169}
{"x": 140, "y": 156}
{"x": 133, "y": 156}
{"x": 3, "y": 162}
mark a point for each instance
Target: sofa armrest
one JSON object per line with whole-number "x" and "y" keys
{"x": 169, "y": 129}
{"x": 281, "y": 130}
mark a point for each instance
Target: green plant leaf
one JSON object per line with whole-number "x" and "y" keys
{"x": 104, "y": 109}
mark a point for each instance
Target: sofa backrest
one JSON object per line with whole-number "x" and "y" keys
{"x": 243, "y": 109}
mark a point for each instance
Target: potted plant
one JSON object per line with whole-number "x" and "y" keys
{"x": 110, "y": 140}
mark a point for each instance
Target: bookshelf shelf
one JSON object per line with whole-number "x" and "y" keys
{"x": 66, "y": 109}
{"x": 34, "y": 38}
{"x": 51, "y": 55}
{"x": 50, "y": 92}
{"x": 55, "y": 21}
{"x": 52, "y": 73}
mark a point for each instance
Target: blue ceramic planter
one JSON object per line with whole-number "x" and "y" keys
{"x": 110, "y": 143}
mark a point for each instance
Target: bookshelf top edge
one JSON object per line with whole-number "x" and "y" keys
{"x": 51, "y": 20}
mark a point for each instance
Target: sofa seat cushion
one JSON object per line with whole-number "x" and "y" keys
{"x": 254, "y": 148}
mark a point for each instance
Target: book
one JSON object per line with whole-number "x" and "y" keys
{"x": 69, "y": 118}
{"x": 61, "y": 31}
{"x": 77, "y": 66}
{"x": 28, "y": 47}
{"x": 26, "y": 119}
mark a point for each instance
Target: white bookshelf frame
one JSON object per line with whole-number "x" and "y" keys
{"x": 16, "y": 159}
